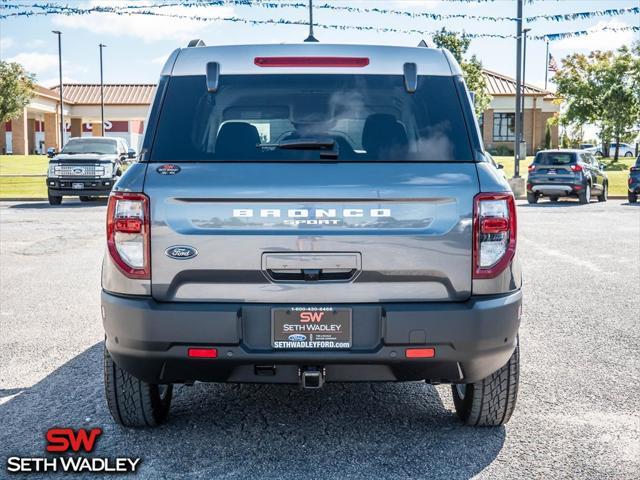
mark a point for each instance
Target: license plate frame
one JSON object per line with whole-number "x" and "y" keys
{"x": 323, "y": 328}
{"x": 77, "y": 186}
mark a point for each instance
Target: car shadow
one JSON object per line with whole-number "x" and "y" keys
{"x": 246, "y": 431}
{"x": 560, "y": 203}
{"x": 65, "y": 204}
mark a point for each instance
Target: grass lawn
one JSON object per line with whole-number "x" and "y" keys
{"x": 617, "y": 179}
{"x": 23, "y": 164}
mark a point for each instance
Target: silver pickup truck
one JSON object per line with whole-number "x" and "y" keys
{"x": 311, "y": 213}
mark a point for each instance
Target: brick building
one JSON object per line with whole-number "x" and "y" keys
{"x": 126, "y": 107}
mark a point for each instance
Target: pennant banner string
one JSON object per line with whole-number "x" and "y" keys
{"x": 52, "y": 9}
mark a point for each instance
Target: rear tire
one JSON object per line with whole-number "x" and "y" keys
{"x": 532, "y": 198}
{"x": 84, "y": 198}
{"x": 605, "y": 193}
{"x": 585, "y": 195}
{"x": 553, "y": 199}
{"x": 54, "y": 199}
{"x": 628, "y": 154}
{"x": 133, "y": 402}
{"x": 632, "y": 197}
{"x": 491, "y": 401}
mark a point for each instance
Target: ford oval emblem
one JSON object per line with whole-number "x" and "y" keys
{"x": 297, "y": 337}
{"x": 181, "y": 252}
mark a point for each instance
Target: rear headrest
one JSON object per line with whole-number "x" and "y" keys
{"x": 237, "y": 139}
{"x": 383, "y": 133}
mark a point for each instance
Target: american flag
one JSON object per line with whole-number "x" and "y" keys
{"x": 552, "y": 64}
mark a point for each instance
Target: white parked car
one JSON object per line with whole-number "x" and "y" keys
{"x": 626, "y": 150}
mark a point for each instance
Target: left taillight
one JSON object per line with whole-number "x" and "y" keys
{"x": 128, "y": 233}
{"x": 494, "y": 233}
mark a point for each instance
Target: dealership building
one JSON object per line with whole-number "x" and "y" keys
{"x": 126, "y": 107}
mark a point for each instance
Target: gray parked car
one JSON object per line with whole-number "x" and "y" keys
{"x": 86, "y": 167}
{"x": 566, "y": 173}
{"x": 306, "y": 214}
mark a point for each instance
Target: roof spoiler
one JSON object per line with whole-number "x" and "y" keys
{"x": 196, "y": 42}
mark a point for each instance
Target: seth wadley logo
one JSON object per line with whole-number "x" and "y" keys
{"x": 64, "y": 441}
{"x": 318, "y": 216}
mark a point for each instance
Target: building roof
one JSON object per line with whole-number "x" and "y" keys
{"x": 141, "y": 93}
{"x": 499, "y": 84}
{"x": 114, "y": 93}
{"x": 41, "y": 91}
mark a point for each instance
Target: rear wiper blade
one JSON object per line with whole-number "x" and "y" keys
{"x": 302, "y": 144}
{"x": 327, "y": 146}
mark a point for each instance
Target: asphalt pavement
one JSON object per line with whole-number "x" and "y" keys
{"x": 578, "y": 413}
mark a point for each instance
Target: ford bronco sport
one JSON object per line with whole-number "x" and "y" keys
{"x": 306, "y": 214}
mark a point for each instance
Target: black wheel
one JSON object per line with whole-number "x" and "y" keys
{"x": 133, "y": 402}
{"x": 84, "y": 198}
{"x": 585, "y": 195}
{"x": 54, "y": 199}
{"x": 628, "y": 154}
{"x": 491, "y": 401}
{"x": 605, "y": 193}
{"x": 532, "y": 198}
{"x": 633, "y": 197}
{"x": 554, "y": 199}
{"x": 598, "y": 154}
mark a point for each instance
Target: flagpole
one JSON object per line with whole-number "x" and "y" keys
{"x": 546, "y": 67}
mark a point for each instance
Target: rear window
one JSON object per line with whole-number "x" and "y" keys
{"x": 555, "y": 158}
{"x": 366, "y": 117}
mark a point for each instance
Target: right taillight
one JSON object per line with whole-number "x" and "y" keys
{"x": 494, "y": 233}
{"x": 576, "y": 168}
{"x": 532, "y": 167}
{"x": 128, "y": 233}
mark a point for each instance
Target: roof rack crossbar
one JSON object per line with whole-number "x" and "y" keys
{"x": 196, "y": 42}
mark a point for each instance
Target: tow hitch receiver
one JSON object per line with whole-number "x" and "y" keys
{"x": 312, "y": 377}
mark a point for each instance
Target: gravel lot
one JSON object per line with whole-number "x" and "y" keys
{"x": 578, "y": 414}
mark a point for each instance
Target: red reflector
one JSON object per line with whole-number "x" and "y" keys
{"x": 202, "y": 352}
{"x": 494, "y": 225}
{"x": 577, "y": 187}
{"x": 420, "y": 352}
{"x": 128, "y": 225}
{"x": 311, "y": 61}
{"x": 576, "y": 168}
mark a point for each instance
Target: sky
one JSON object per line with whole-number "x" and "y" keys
{"x": 137, "y": 45}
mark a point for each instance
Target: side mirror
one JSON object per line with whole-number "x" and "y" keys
{"x": 51, "y": 152}
{"x": 500, "y": 166}
{"x": 602, "y": 166}
{"x": 131, "y": 153}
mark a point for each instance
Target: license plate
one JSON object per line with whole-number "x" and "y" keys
{"x": 552, "y": 171}
{"x": 77, "y": 186}
{"x": 311, "y": 328}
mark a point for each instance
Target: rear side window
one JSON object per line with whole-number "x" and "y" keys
{"x": 555, "y": 158}
{"x": 366, "y": 117}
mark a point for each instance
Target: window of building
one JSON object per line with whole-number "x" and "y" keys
{"x": 481, "y": 123}
{"x": 504, "y": 127}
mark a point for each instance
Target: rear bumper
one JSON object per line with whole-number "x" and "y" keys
{"x": 150, "y": 339}
{"x": 92, "y": 186}
{"x": 564, "y": 188}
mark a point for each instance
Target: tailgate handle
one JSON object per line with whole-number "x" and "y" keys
{"x": 311, "y": 267}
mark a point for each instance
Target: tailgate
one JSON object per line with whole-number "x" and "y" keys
{"x": 312, "y": 232}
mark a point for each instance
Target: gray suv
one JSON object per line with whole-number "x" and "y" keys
{"x": 566, "y": 173}
{"x": 311, "y": 213}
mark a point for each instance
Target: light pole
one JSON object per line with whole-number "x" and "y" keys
{"x": 518, "y": 125}
{"x": 101, "y": 90}
{"x": 311, "y": 38}
{"x": 524, "y": 74}
{"x": 59, "y": 34}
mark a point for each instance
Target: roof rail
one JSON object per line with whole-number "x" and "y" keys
{"x": 196, "y": 42}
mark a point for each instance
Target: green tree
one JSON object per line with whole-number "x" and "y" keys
{"x": 547, "y": 136}
{"x": 602, "y": 88}
{"x": 16, "y": 89}
{"x": 471, "y": 67}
